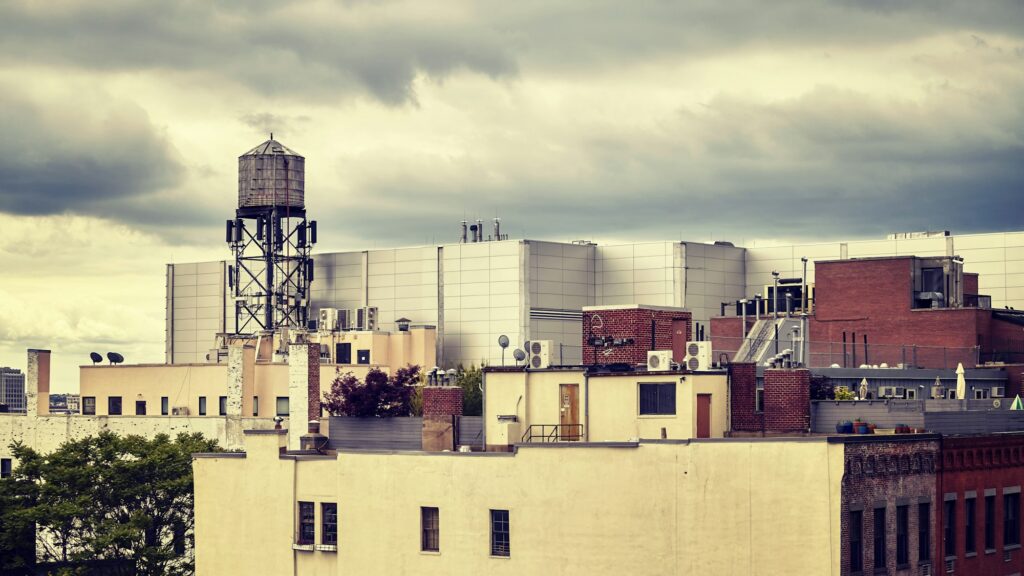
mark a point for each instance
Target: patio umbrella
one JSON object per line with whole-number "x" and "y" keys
{"x": 961, "y": 382}
{"x": 1017, "y": 404}
{"x": 863, "y": 388}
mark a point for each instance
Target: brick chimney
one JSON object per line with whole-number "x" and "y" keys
{"x": 37, "y": 383}
{"x": 303, "y": 391}
{"x": 442, "y": 407}
{"x": 787, "y": 400}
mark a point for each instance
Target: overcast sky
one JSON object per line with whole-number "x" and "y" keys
{"x": 122, "y": 121}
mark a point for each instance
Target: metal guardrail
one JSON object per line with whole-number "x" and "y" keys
{"x": 553, "y": 433}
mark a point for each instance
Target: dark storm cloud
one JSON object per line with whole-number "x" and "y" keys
{"x": 86, "y": 161}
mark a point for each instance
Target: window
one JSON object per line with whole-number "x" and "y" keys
{"x": 990, "y": 522}
{"x": 114, "y": 405}
{"x": 981, "y": 394}
{"x": 879, "y": 538}
{"x": 759, "y": 396}
{"x": 140, "y": 407}
{"x": 500, "y": 544}
{"x": 343, "y": 353}
{"x": 658, "y": 398}
{"x": 970, "y": 526}
{"x": 255, "y": 405}
{"x": 1011, "y": 519}
{"x": 924, "y": 535}
{"x": 363, "y": 357}
{"x": 88, "y": 405}
{"x": 856, "y": 541}
{"x": 307, "y": 524}
{"x": 164, "y": 406}
{"x": 5, "y": 467}
{"x": 902, "y": 536}
{"x": 222, "y": 405}
{"x": 430, "y": 528}
{"x": 282, "y": 405}
{"x": 329, "y": 530}
{"x": 949, "y": 526}
{"x": 202, "y": 405}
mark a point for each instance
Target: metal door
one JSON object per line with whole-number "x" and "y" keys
{"x": 569, "y": 411}
{"x": 703, "y": 415}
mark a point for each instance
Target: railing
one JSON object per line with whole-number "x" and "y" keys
{"x": 851, "y": 355}
{"x": 553, "y": 433}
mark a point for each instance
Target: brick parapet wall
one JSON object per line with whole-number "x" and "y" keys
{"x": 634, "y": 323}
{"x": 313, "y": 381}
{"x": 442, "y": 401}
{"x": 787, "y": 400}
{"x": 743, "y": 397}
{"x": 890, "y": 474}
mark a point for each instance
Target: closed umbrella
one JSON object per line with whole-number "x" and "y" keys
{"x": 961, "y": 382}
{"x": 863, "y": 388}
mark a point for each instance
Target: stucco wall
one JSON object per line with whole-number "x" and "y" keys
{"x": 713, "y": 507}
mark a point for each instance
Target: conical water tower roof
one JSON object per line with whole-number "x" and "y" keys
{"x": 271, "y": 147}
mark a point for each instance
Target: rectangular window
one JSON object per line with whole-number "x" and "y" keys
{"x": 5, "y": 467}
{"x": 88, "y": 405}
{"x": 343, "y": 353}
{"x": 329, "y": 530}
{"x": 1011, "y": 519}
{"x": 114, "y": 405}
{"x": 902, "y": 536}
{"x": 363, "y": 357}
{"x": 970, "y": 526}
{"x": 990, "y": 522}
{"x": 430, "y": 529}
{"x": 222, "y": 405}
{"x": 307, "y": 524}
{"x": 202, "y": 405}
{"x": 282, "y": 405}
{"x": 165, "y": 406}
{"x": 879, "y": 538}
{"x": 140, "y": 407}
{"x": 500, "y": 542}
{"x": 949, "y": 527}
{"x": 924, "y": 532}
{"x": 759, "y": 399}
{"x": 658, "y": 398}
{"x": 856, "y": 541}
{"x": 255, "y": 405}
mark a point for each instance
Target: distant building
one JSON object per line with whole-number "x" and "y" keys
{"x": 12, "y": 389}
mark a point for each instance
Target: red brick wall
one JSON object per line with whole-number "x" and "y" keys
{"x": 893, "y": 473}
{"x": 632, "y": 323}
{"x": 977, "y": 463}
{"x": 787, "y": 400}
{"x": 742, "y": 396}
{"x": 442, "y": 401}
{"x": 1014, "y": 379}
{"x": 725, "y": 333}
{"x": 970, "y": 283}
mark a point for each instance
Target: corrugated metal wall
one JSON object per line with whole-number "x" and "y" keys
{"x": 825, "y": 415}
{"x": 393, "y": 433}
{"x": 974, "y": 422}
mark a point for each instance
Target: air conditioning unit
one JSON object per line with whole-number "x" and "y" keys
{"x": 366, "y": 318}
{"x": 899, "y": 392}
{"x": 179, "y": 411}
{"x": 328, "y": 319}
{"x": 539, "y": 353}
{"x": 345, "y": 319}
{"x": 911, "y": 394}
{"x": 659, "y": 360}
{"x": 698, "y": 356}
{"x": 999, "y": 391}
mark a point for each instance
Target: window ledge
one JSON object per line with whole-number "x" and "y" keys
{"x": 430, "y": 552}
{"x": 970, "y": 555}
{"x": 509, "y": 557}
{"x": 327, "y": 547}
{"x": 303, "y": 547}
{"x": 1011, "y": 547}
{"x": 656, "y": 416}
{"x": 990, "y": 550}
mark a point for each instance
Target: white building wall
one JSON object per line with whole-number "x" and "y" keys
{"x": 641, "y": 273}
{"x": 199, "y": 309}
{"x": 562, "y": 282}
{"x": 711, "y": 275}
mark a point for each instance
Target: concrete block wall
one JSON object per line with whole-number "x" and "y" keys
{"x": 632, "y": 323}
{"x": 787, "y": 400}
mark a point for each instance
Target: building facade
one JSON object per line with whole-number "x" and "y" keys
{"x": 12, "y": 389}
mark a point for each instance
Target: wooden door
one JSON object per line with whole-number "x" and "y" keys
{"x": 679, "y": 340}
{"x": 569, "y": 411}
{"x": 703, "y": 415}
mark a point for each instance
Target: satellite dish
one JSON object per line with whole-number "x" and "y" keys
{"x": 519, "y": 355}
{"x": 95, "y": 357}
{"x": 115, "y": 358}
{"x": 503, "y": 341}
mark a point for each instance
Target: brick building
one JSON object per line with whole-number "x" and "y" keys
{"x": 624, "y": 334}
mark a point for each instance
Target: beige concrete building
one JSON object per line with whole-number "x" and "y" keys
{"x": 704, "y": 507}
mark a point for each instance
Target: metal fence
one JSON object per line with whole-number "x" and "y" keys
{"x": 405, "y": 433}
{"x": 851, "y": 355}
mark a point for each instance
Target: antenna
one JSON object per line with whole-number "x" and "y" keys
{"x": 519, "y": 355}
{"x": 503, "y": 342}
{"x": 114, "y": 358}
{"x": 95, "y": 357}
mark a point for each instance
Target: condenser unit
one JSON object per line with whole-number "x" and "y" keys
{"x": 366, "y": 318}
{"x": 345, "y": 319}
{"x": 998, "y": 391}
{"x": 659, "y": 360}
{"x": 698, "y": 356}
{"x": 328, "y": 320}
{"x": 539, "y": 353}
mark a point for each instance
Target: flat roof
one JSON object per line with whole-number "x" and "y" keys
{"x": 634, "y": 307}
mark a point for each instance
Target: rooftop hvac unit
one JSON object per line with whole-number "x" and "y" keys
{"x": 179, "y": 411}
{"x": 366, "y": 318}
{"x": 886, "y": 391}
{"x": 659, "y": 360}
{"x": 328, "y": 320}
{"x": 698, "y": 356}
{"x": 999, "y": 391}
{"x": 899, "y": 392}
{"x": 539, "y": 354}
{"x": 345, "y": 319}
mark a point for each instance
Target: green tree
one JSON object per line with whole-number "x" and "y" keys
{"x": 471, "y": 380}
{"x": 123, "y": 500}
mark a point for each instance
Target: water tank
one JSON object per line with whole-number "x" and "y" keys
{"x": 271, "y": 175}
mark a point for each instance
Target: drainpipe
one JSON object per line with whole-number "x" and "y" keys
{"x": 586, "y": 405}
{"x": 743, "y": 328}
{"x": 483, "y": 409}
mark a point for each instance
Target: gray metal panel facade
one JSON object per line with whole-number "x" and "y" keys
{"x": 375, "y": 433}
{"x": 825, "y": 415}
{"x": 471, "y": 430}
{"x": 974, "y": 422}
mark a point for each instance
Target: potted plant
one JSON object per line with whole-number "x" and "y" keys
{"x": 844, "y": 427}
{"x": 860, "y": 427}
{"x": 871, "y": 428}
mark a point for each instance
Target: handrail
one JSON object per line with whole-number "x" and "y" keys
{"x": 545, "y": 433}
